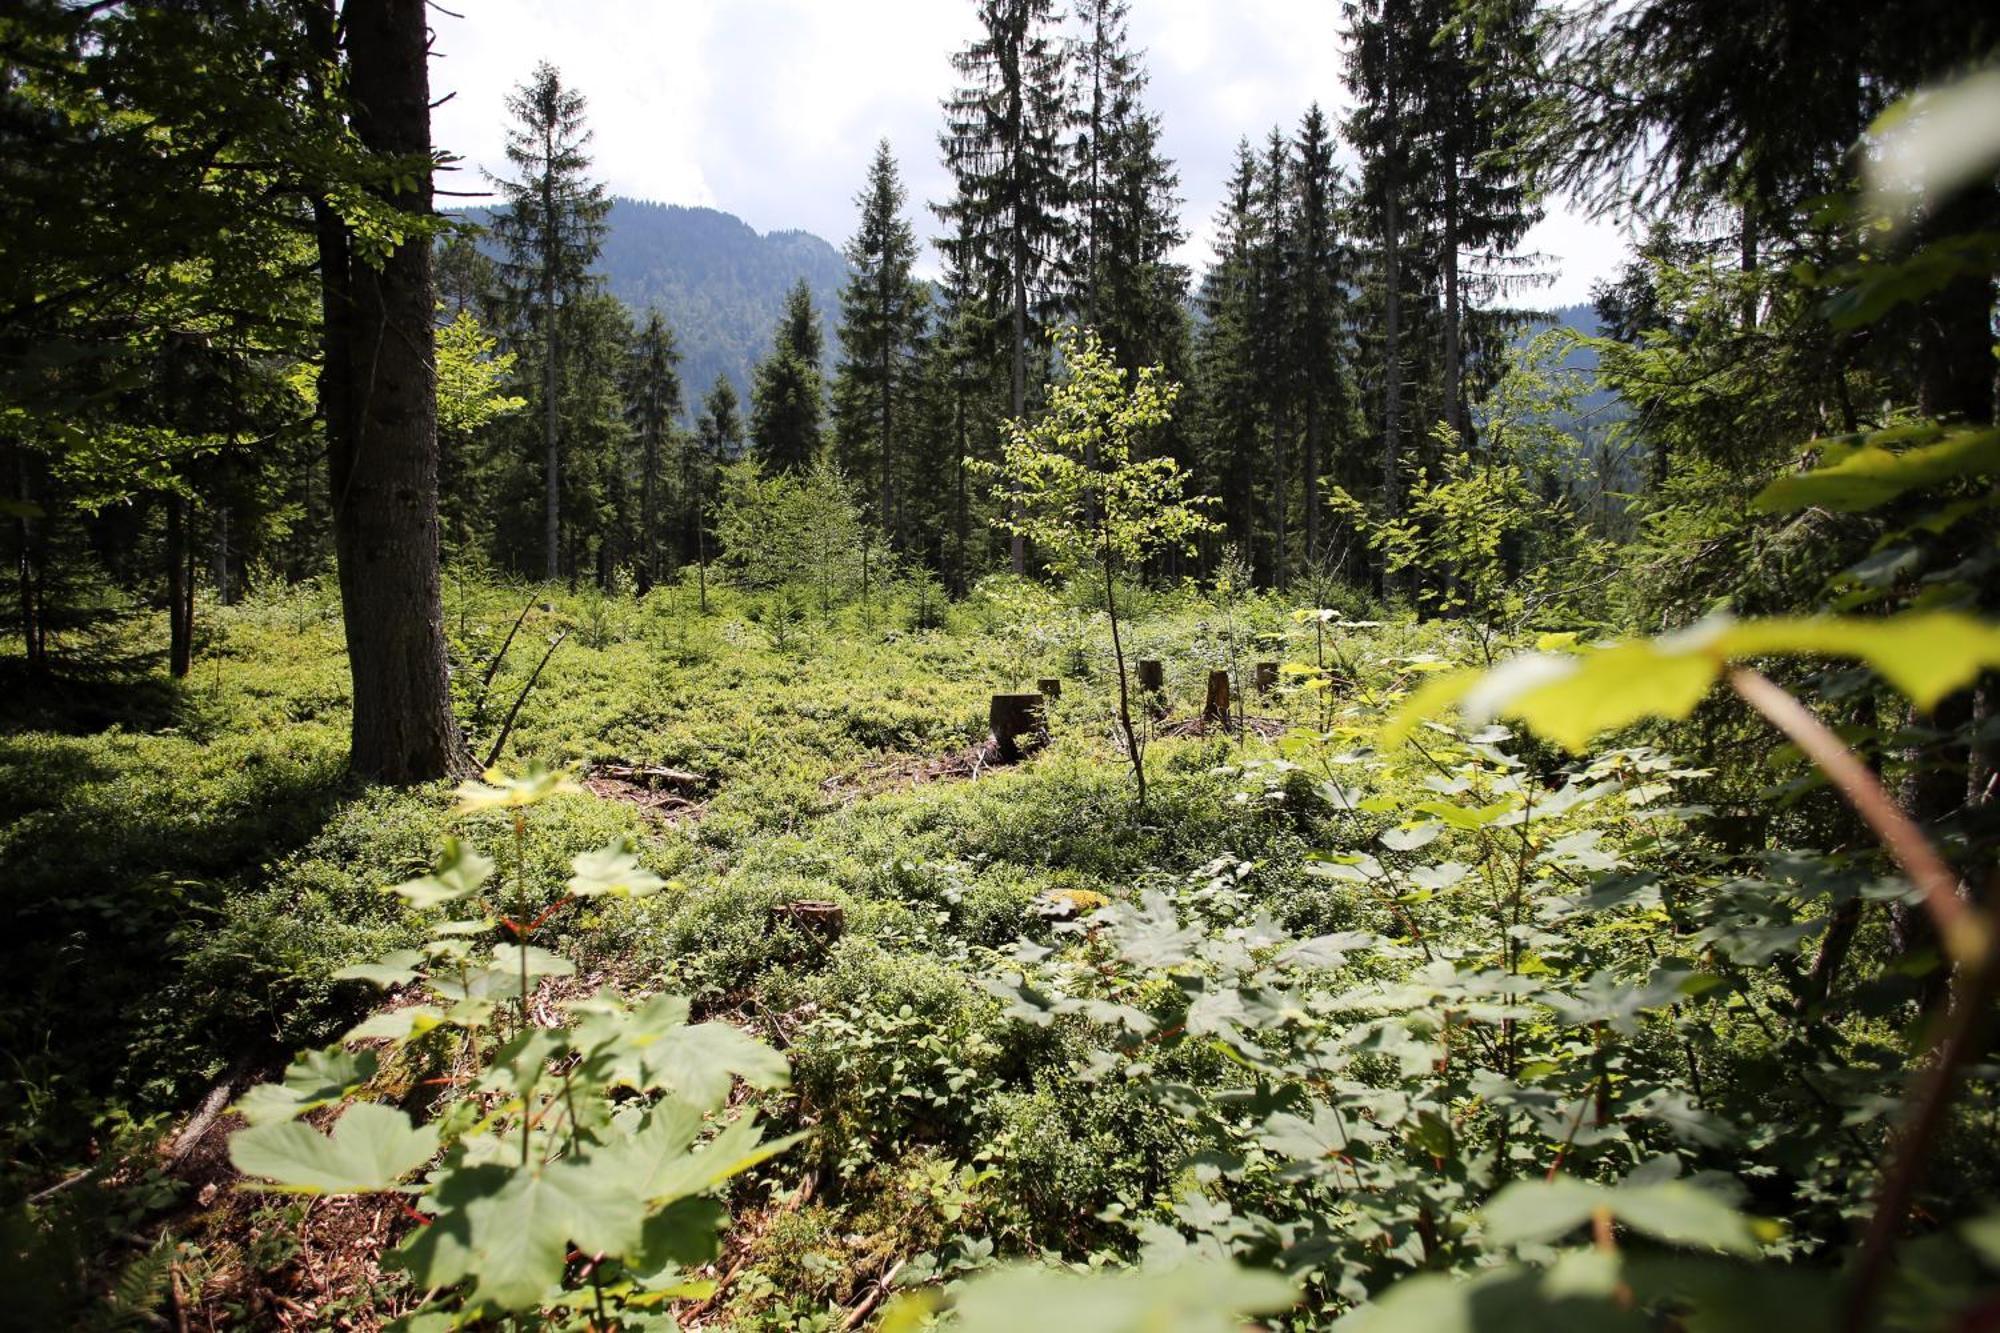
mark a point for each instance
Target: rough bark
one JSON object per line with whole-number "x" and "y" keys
{"x": 1267, "y": 677}
{"x": 1014, "y": 716}
{"x": 1215, "y": 707}
{"x": 379, "y": 394}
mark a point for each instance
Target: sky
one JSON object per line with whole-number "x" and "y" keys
{"x": 771, "y": 109}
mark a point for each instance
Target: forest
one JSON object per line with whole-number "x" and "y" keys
{"x": 1293, "y": 791}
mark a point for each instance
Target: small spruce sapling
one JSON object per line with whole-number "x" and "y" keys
{"x": 1083, "y": 498}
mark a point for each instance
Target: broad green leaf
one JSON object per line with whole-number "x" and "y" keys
{"x": 391, "y": 969}
{"x": 660, "y": 1165}
{"x": 613, "y": 870}
{"x": 314, "y": 1079}
{"x": 534, "y": 784}
{"x": 1577, "y": 1295}
{"x": 1429, "y": 699}
{"x": 699, "y": 1062}
{"x": 395, "y": 1024}
{"x": 371, "y": 1148}
{"x": 1409, "y": 839}
{"x": 1535, "y": 1210}
{"x": 1197, "y": 1297}
{"x": 510, "y": 1228}
{"x": 1683, "y": 1214}
{"x": 541, "y": 963}
{"x": 1863, "y": 478}
{"x": 1530, "y": 1211}
{"x": 457, "y": 876}
{"x": 1571, "y": 699}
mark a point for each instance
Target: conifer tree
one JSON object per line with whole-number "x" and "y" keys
{"x": 882, "y": 316}
{"x": 552, "y": 227}
{"x": 788, "y": 391}
{"x": 718, "y": 442}
{"x": 1226, "y": 354}
{"x": 1385, "y": 43}
{"x": 652, "y": 388}
{"x": 1320, "y": 282}
{"x": 1272, "y": 329}
{"x": 1003, "y": 144}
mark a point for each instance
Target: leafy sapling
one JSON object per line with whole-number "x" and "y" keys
{"x": 1089, "y": 505}
{"x": 571, "y": 1170}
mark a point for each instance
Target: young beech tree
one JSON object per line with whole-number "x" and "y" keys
{"x": 1086, "y": 501}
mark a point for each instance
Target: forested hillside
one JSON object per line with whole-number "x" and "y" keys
{"x": 719, "y": 283}
{"x": 1078, "y": 794}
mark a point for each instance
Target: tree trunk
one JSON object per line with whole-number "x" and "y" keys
{"x": 180, "y": 595}
{"x": 1392, "y": 365}
{"x": 1267, "y": 677}
{"x": 1215, "y": 707}
{"x": 1017, "y": 397}
{"x": 1153, "y": 685}
{"x": 1135, "y": 749}
{"x": 34, "y": 635}
{"x": 1013, "y": 716}
{"x": 379, "y": 392}
{"x": 1454, "y": 387}
{"x": 551, "y": 370}
{"x": 1050, "y": 686}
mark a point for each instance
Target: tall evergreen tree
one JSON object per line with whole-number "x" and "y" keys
{"x": 718, "y": 442}
{"x": 1476, "y": 106}
{"x": 652, "y": 389}
{"x": 1276, "y": 359}
{"x": 1226, "y": 355}
{"x": 1386, "y": 40}
{"x": 552, "y": 226}
{"x": 788, "y": 392}
{"x": 1003, "y": 144}
{"x": 1105, "y": 95}
{"x": 378, "y": 387}
{"x": 1320, "y": 283}
{"x": 882, "y": 315}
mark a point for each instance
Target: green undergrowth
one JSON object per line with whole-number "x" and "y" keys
{"x": 206, "y": 852}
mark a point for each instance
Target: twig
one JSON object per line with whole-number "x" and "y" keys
{"x": 1964, "y": 934}
{"x": 507, "y": 727}
{"x": 1968, "y": 937}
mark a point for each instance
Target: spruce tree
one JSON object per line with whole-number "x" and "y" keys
{"x": 788, "y": 390}
{"x": 1226, "y": 354}
{"x": 552, "y": 227}
{"x": 1276, "y": 359}
{"x": 882, "y": 315}
{"x": 718, "y": 442}
{"x": 1386, "y": 41}
{"x": 1003, "y": 144}
{"x": 652, "y": 389}
{"x": 1320, "y": 282}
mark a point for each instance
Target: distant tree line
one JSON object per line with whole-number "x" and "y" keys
{"x": 205, "y": 227}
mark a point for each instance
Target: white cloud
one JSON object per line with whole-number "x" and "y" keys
{"x": 770, "y": 109}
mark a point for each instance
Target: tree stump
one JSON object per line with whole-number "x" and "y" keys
{"x": 1267, "y": 677}
{"x": 1050, "y": 687}
{"x": 822, "y": 920}
{"x": 1215, "y": 708}
{"x": 1014, "y": 716}
{"x": 1153, "y": 685}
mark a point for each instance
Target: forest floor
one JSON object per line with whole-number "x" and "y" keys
{"x": 200, "y": 844}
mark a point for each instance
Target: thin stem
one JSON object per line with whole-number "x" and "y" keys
{"x": 1968, "y": 937}
{"x": 1965, "y": 935}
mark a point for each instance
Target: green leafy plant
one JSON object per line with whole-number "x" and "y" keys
{"x": 578, "y": 1154}
{"x": 1078, "y": 491}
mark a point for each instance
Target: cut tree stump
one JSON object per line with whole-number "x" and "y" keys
{"x": 1267, "y": 677}
{"x": 1050, "y": 687}
{"x": 822, "y": 920}
{"x": 1014, "y": 716}
{"x": 1153, "y": 685}
{"x": 1215, "y": 707}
